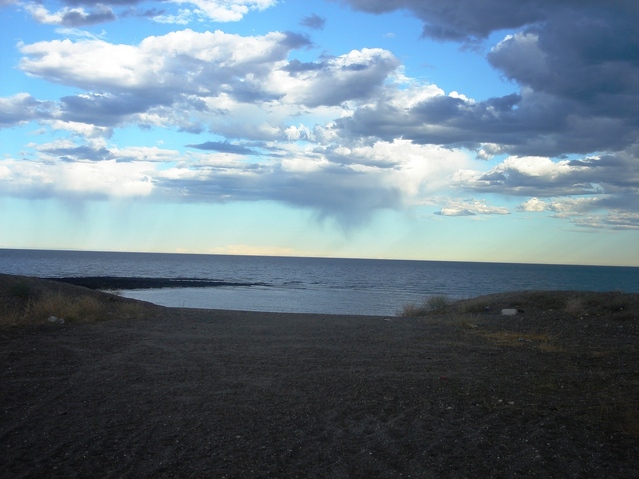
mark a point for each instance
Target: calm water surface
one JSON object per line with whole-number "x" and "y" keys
{"x": 314, "y": 285}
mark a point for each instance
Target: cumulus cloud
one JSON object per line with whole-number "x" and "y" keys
{"x": 471, "y": 208}
{"x": 103, "y": 179}
{"x": 191, "y": 80}
{"x": 203, "y": 63}
{"x": 588, "y": 212}
{"x": 227, "y": 10}
{"x": 347, "y": 185}
{"x": 364, "y": 136}
{"x": 575, "y": 63}
{"x": 224, "y": 147}
{"x": 534, "y": 205}
{"x": 71, "y": 17}
{"x": 184, "y": 67}
{"x": 21, "y": 108}
{"x": 526, "y": 123}
{"x": 621, "y": 221}
{"x": 79, "y": 129}
{"x": 542, "y": 177}
{"x": 74, "y": 13}
{"x": 356, "y": 75}
{"x": 598, "y": 187}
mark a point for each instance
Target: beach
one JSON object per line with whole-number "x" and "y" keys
{"x": 462, "y": 392}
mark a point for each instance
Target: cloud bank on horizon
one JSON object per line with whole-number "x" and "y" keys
{"x": 275, "y": 115}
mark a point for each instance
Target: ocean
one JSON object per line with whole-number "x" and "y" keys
{"x": 314, "y": 285}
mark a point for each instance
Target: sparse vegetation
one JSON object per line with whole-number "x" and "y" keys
{"x": 81, "y": 308}
{"x": 432, "y": 304}
{"x": 20, "y": 290}
{"x": 473, "y": 306}
{"x": 31, "y": 301}
{"x": 574, "y": 306}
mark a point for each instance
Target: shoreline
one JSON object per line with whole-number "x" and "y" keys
{"x": 110, "y": 283}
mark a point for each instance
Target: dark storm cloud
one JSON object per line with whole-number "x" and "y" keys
{"x": 313, "y": 21}
{"x": 533, "y": 124}
{"x": 590, "y": 61}
{"x": 577, "y": 64}
{"x": 469, "y": 20}
{"x": 348, "y": 196}
{"x": 224, "y": 147}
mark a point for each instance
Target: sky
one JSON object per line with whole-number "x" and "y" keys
{"x": 452, "y": 130}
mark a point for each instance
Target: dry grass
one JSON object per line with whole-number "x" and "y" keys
{"x": 432, "y": 304}
{"x": 82, "y": 308}
{"x": 31, "y": 301}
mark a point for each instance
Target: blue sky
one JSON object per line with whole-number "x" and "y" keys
{"x": 435, "y": 130}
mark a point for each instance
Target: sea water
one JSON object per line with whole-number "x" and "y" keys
{"x": 314, "y": 285}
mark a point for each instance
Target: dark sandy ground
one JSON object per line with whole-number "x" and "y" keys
{"x": 464, "y": 392}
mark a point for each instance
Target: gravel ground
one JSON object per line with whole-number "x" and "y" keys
{"x": 461, "y": 392}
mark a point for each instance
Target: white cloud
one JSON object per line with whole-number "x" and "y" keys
{"x": 535, "y": 166}
{"x": 415, "y": 170}
{"x": 534, "y": 205}
{"x": 488, "y": 151}
{"x": 346, "y": 184}
{"x": 184, "y": 60}
{"x": 622, "y": 221}
{"x": 78, "y": 33}
{"x": 471, "y": 208}
{"x": 233, "y": 85}
{"x": 105, "y": 179}
{"x": 586, "y": 212}
{"x": 352, "y": 76}
{"x": 21, "y": 108}
{"x": 365, "y": 136}
{"x": 228, "y": 10}
{"x": 81, "y": 129}
{"x": 216, "y": 10}
{"x": 564, "y": 207}
{"x": 301, "y": 132}
{"x": 145, "y": 154}
{"x": 183, "y": 17}
{"x": 70, "y": 17}
{"x": 529, "y": 176}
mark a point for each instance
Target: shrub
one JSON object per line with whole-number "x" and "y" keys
{"x": 20, "y": 290}
{"x": 574, "y": 306}
{"x": 434, "y": 303}
{"x": 474, "y": 305}
{"x": 83, "y": 308}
